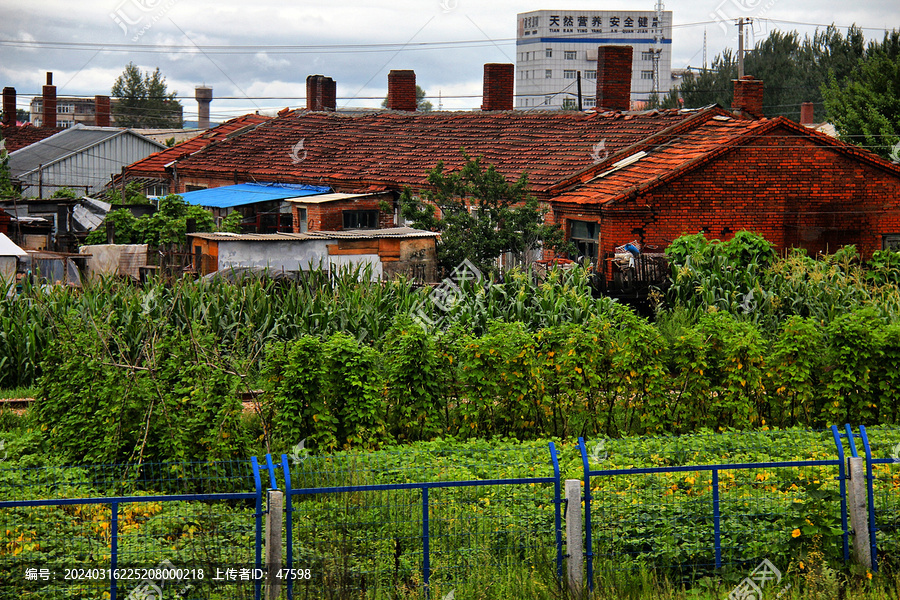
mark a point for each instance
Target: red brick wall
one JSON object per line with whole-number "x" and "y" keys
{"x": 4, "y": 222}
{"x": 328, "y": 216}
{"x": 786, "y": 188}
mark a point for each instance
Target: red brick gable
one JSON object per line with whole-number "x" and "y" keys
{"x": 693, "y": 148}
{"x": 391, "y": 149}
{"x": 154, "y": 165}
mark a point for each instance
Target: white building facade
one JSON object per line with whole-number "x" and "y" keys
{"x": 554, "y": 46}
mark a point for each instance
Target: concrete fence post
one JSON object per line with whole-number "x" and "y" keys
{"x": 857, "y": 500}
{"x": 574, "y": 534}
{"x": 274, "y": 517}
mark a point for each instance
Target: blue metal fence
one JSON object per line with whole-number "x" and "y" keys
{"x": 440, "y": 518}
{"x": 882, "y": 454}
{"x": 419, "y": 520}
{"x": 737, "y": 503}
{"x": 109, "y": 531}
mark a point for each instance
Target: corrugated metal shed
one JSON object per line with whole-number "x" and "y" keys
{"x": 78, "y": 157}
{"x": 242, "y": 194}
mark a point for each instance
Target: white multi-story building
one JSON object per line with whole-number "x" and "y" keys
{"x": 553, "y": 46}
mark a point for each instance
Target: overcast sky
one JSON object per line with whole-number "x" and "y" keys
{"x": 92, "y": 41}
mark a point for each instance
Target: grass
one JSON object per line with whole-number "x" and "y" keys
{"x": 18, "y": 392}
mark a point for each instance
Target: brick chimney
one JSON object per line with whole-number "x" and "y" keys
{"x": 806, "y": 113}
{"x": 614, "y": 77}
{"x": 321, "y": 93}
{"x": 101, "y": 111}
{"x": 49, "y": 102}
{"x": 402, "y": 90}
{"x": 748, "y": 97}
{"x": 9, "y": 106}
{"x": 204, "y": 97}
{"x": 498, "y": 86}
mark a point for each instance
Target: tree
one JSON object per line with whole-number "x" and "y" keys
{"x": 481, "y": 215}
{"x": 143, "y": 100}
{"x": 167, "y": 226}
{"x": 865, "y": 107}
{"x": 422, "y": 105}
{"x": 793, "y": 70}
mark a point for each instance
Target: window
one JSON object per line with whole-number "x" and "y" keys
{"x": 570, "y": 54}
{"x": 588, "y": 102}
{"x": 589, "y": 74}
{"x": 65, "y": 108}
{"x": 648, "y": 55}
{"x": 548, "y": 99}
{"x": 548, "y": 53}
{"x": 647, "y": 75}
{"x": 586, "y": 237}
{"x": 569, "y": 104}
{"x": 360, "y": 219}
{"x": 156, "y": 189}
{"x": 890, "y": 242}
{"x": 193, "y": 188}
{"x": 548, "y": 74}
{"x": 569, "y": 74}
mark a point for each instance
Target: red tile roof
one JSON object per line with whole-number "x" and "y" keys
{"x": 688, "y": 150}
{"x": 155, "y": 163}
{"x": 396, "y": 148}
{"x": 19, "y": 137}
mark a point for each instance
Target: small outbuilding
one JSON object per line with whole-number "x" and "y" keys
{"x": 389, "y": 252}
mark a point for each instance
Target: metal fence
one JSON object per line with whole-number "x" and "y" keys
{"x": 66, "y": 530}
{"x": 442, "y": 517}
{"x": 697, "y": 503}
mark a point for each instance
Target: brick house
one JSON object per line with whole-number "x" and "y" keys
{"x": 607, "y": 176}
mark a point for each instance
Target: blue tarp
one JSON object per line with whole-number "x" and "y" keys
{"x": 250, "y": 193}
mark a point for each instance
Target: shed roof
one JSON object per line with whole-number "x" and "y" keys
{"x": 242, "y": 194}
{"x": 64, "y": 144}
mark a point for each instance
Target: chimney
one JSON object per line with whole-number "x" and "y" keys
{"x": 402, "y": 90}
{"x": 614, "y": 77}
{"x": 101, "y": 111}
{"x": 806, "y": 113}
{"x": 498, "y": 86}
{"x": 748, "y": 97}
{"x": 321, "y": 93}
{"x": 49, "y": 101}
{"x": 327, "y": 94}
{"x": 204, "y": 96}
{"x": 9, "y": 106}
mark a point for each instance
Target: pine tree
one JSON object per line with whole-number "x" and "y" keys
{"x": 144, "y": 101}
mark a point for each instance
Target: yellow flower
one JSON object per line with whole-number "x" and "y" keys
{"x": 795, "y": 533}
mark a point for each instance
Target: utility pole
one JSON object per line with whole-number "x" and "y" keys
{"x": 740, "y": 24}
{"x": 704, "y": 49}
{"x": 579, "y": 92}
{"x": 657, "y": 45}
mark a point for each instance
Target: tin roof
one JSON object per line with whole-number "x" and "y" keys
{"x": 250, "y": 193}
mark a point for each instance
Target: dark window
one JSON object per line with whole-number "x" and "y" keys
{"x": 194, "y": 188}
{"x": 890, "y": 241}
{"x": 360, "y": 219}
{"x": 586, "y": 237}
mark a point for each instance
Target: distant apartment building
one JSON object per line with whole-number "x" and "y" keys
{"x": 69, "y": 111}
{"x": 554, "y": 46}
